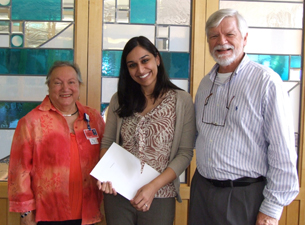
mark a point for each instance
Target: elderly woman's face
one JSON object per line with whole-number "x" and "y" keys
{"x": 63, "y": 87}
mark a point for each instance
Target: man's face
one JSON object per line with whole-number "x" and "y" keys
{"x": 226, "y": 43}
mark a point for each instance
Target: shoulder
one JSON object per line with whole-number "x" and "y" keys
{"x": 93, "y": 113}
{"x": 183, "y": 95}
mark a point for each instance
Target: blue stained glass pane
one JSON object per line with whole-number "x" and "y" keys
{"x": 143, "y": 11}
{"x": 49, "y": 10}
{"x": 111, "y": 63}
{"x": 295, "y": 62}
{"x": 177, "y": 64}
{"x": 11, "y": 112}
{"x": 31, "y": 61}
{"x": 103, "y": 108}
{"x": 279, "y": 63}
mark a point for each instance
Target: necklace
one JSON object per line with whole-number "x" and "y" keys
{"x": 71, "y": 114}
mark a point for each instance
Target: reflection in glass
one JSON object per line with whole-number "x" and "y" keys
{"x": 11, "y": 112}
{"x": 279, "y": 63}
{"x": 268, "y": 14}
{"x": 173, "y": 12}
{"x": 4, "y": 13}
{"x": 143, "y": 11}
{"x": 4, "y": 27}
{"x": 122, "y": 16}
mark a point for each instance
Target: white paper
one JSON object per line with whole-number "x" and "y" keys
{"x": 123, "y": 169}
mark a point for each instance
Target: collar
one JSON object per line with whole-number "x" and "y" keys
{"x": 46, "y": 105}
{"x": 241, "y": 65}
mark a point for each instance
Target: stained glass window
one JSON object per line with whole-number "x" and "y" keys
{"x": 33, "y": 34}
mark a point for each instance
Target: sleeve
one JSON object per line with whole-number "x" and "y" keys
{"x": 20, "y": 194}
{"x": 282, "y": 179}
{"x": 111, "y": 124}
{"x": 185, "y": 134}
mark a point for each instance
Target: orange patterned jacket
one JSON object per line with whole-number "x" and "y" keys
{"x": 40, "y": 160}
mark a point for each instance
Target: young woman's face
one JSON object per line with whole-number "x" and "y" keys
{"x": 143, "y": 68}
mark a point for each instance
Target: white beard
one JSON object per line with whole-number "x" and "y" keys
{"x": 222, "y": 59}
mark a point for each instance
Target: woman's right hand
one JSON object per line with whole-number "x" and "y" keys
{"x": 29, "y": 219}
{"x": 106, "y": 187}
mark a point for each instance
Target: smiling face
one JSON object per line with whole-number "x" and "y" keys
{"x": 227, "y": 44}
{"x": 143, "y": 68}
{"x": 64, "y": 88}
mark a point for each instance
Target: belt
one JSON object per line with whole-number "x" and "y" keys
{"x": 244, "y": 181}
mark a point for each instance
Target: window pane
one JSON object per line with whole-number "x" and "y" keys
{"x": 111, "y": 63}
{"x": 174, "y": 67}
{"x": 174, "y": 12}
{"x": 11, "y": 112}
{"x": 22, "y": 88}
{"x": 179, "y": 39}
{"x": 109, "y": 87}
{"x": 268, "y": 14}
{"x": 115, "y": 36}
{"x": 143, "y": 11}
{"x": 36, "y": 10}
{"x": 274, "y": 41}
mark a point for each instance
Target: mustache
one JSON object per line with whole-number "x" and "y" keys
{"x": 223, "y": 47}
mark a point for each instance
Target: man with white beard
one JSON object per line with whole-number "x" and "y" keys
{"x": 246, "y": 158}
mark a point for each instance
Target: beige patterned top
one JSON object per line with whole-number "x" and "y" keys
{"x": 150, "y": 137}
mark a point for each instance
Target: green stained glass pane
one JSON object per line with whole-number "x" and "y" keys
{"x": 143, "y": 11}
{"x": 111, "y": 63}
{"x": 177, "y": 64}
{"x": 279, "y": 63}
{"x": 295, "y": 61}
{"x": 11, "y": 112}
{"x": 49, "y": 10}
{"x": 31, "y": 61}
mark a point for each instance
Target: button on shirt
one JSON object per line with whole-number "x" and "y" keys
{"x": 258, "y": 137}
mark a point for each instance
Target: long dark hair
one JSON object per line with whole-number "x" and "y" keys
{"x": 131, "y": 97}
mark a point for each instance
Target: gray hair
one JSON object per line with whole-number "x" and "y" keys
{"x": 61, "y": 64}
{"x": 216, "y": 18}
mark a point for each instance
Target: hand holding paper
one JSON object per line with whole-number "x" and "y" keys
{"x": 123, "y": 169}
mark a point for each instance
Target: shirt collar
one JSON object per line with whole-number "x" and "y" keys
{"x": 241, "y": 65}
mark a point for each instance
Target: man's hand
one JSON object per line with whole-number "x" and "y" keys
{"x": 263, "y": 219}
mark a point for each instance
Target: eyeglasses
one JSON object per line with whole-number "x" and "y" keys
{"x": 227, "y": 105}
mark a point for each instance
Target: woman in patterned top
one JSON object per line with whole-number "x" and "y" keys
{"x": 154, "y": 120}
